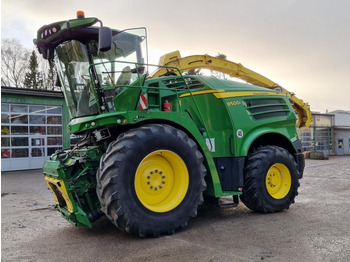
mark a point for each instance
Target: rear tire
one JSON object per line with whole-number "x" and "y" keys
{"x": 271, "y": 180}
{"x": 151, "y": 180}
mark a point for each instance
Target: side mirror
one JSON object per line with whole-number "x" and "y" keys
{"x": 104, "y": 39}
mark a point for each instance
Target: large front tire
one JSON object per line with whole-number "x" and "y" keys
{"x": 151, "y": 180}
{"x": 271, "y": 180}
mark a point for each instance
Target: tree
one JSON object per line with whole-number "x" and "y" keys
{"x": 48, "y": 74}
{"x": 195, "y": 71}
{"x": 32, "y": 78}
{"x": 198, "y": 71}
{"x": 16, "y": 71}
{"x": 51, "y": 76}
{"x": 217, "y": 74}
{"x": 223, "y": 56}
{"x": 14, "y": 57}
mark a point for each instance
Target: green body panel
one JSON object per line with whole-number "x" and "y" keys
{"x": 63, "y": 26}
{"x": 129, "y": 97}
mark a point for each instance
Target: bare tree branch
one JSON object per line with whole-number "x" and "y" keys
{"x": 14, "y": 58}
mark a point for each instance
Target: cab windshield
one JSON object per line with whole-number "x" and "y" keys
{"x": 90, "y": 78}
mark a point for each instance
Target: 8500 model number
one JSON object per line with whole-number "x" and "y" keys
{"x": 233, "y": 103}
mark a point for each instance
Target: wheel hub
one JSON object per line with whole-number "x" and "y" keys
{"x": 156, "y": 179}
{"x": 278, "y": 181}
{"x": 161, "y": 181}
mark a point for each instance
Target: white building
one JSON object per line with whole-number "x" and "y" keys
{"x": 342, "y": 132}
{"x": 329, "y": 133}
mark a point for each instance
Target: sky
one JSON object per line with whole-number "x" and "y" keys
{"x": 303, "y": 45}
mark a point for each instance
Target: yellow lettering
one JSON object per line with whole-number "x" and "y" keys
{"x": 233, "y": 103}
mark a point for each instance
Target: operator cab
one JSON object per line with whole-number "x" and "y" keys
{"x": 93, "y": 63}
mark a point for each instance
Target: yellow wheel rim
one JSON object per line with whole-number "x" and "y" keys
{"x": 278, "y": 181}
{"x": 161, "y": 181}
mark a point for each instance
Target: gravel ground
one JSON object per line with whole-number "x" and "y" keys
{"x": 315, "y": 228}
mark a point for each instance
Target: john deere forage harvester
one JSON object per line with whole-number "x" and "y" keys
{"x": 156, "y": 143}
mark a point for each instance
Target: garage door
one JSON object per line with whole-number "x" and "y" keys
{"x": 29, "y": 135}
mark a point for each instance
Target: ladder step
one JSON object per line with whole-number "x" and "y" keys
{"x": 227, "y": 204}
